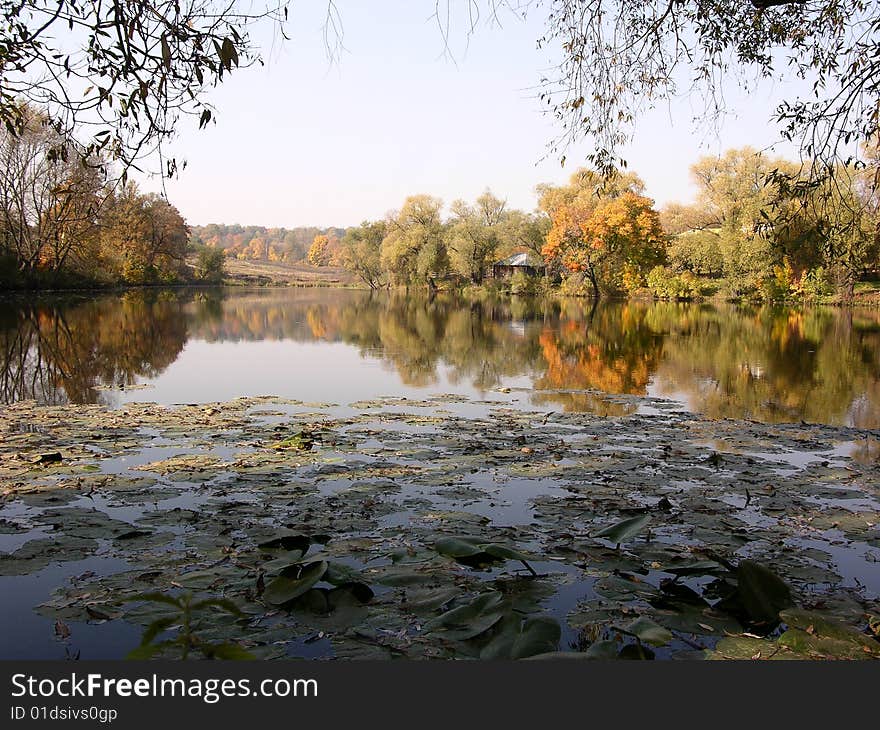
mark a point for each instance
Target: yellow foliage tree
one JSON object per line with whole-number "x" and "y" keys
{"x": 319, "y": 252}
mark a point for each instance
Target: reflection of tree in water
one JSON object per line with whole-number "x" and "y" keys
{"x": 766, "y": 364}
{"x": 774, "y": 365}
{"x": 60, "y": 352}
{"x": 473, "y": 340}
{"x": 771, "y": 365}
{"x": 609, "y": 348}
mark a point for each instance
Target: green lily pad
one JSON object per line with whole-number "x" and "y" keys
{"x": 622, "y": 531}
{"x": 471, "y": 619}
{"x": 648, "y": 631}
{"x": 293, "y": 582}
{"x": 763, "y": 593}
{"x": 458, "y": 547}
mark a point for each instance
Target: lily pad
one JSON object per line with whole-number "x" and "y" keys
{"x": 622, "y": 531}
{"x": 293, "y": 582}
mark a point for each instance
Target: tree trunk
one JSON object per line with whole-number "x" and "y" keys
{"x": 846, "y": 283}
{"x": 591, "y": 273}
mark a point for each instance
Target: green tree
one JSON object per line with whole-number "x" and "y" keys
{"x": 738, "y": 192}
{"x": 414, "y": 250}
{"x": 474, "y": 233}
{"x": 520, "y": 231}
{"x": 210, "y": 265}
{"x": 841, "y": 219}
{"x": 362, "y": 252}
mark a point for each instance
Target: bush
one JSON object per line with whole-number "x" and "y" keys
{"x": 521, "y": 284}
{"x": 814, "y": 285}
{"x": 666, "y": 284}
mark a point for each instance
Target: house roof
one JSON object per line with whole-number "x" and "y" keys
{"x": 521, "y": 259}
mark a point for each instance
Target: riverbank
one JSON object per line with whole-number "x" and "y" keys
{"x": 444, "y": 527}
{"x": 237, "y": 274}
{"x": 264, "y": 274}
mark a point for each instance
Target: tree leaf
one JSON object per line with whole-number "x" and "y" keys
{"x": 166, "y": 51}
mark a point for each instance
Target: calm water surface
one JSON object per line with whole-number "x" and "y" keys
{"x": 338, "y": 346}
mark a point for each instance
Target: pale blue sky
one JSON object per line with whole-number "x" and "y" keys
{"x": 303, "y": 142}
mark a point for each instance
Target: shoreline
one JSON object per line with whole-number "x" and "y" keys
{"x": 870, "y": 300}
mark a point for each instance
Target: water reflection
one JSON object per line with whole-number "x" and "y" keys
{"x": 760, "y": 363}
{"x": 63, "y": 351}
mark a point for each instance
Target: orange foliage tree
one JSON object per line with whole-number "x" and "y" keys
{"x": 614, "y": 243}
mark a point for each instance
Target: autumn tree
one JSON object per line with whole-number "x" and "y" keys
{"x": 603, "y": 229}
{"x": 319, "y": 251}
{"x": 48, "y": 205}
{"x": 144, "y": 238}
{"x": 615, "y": 245}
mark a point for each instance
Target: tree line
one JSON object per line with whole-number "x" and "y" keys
{"x": 259, "y": 243}
{"x": 761, "y": 228}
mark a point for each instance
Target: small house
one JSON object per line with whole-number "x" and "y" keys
{"x": 527, "y": 263}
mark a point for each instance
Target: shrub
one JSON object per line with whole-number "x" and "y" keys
{"x": 522, "y": 284}
{"x": 814, "y": 285}
{"x": 666, "y": 284}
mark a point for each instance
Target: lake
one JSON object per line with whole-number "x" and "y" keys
{"x": 767, "y": 364}
{"x": 348, "y": 476}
